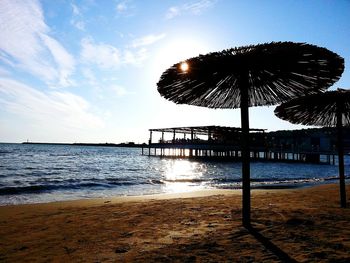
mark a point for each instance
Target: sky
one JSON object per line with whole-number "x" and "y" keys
{"x": 86, "y": 70}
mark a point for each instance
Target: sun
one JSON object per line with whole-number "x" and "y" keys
{"x": 176, "y": 50}
{"x": 184, "y": 66}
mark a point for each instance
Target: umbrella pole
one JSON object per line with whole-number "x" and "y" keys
{"x": 245, "y": 155}
{"x": 341, "y": 158}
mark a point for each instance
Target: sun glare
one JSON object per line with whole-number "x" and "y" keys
{"x": 184, "y": 66}
{"x": 175, "y": 50}
{"x": 183, "y": 176}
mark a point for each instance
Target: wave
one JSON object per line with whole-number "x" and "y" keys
{"x": 186, "y": 180}
{"x": 62, "y": 154}
{"x": 37, "y": 189}
{"x": 254, "y": 181}
{"x": 71, "y": 185}
{"x": 155, "y": 181}
{"x": 5, "y": 152}
{"x": 273, "y": 183}
{"x": 23, "y": 189}
{"x": 29, "y": 168}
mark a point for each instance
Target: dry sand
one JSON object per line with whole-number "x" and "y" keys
{"x": 303, "y": 225}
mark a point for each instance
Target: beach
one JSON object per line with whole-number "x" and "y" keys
{"x": 302, "y": 225}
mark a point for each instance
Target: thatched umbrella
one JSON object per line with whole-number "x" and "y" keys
{"x": 264, "y": 74}
{"x": 330, "y": 109}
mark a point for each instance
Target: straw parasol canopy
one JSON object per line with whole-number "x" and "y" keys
{"x": 264, "y": 74}
{"x": 319, "y": 110}
{"x": 274, "y": 72}
{"x": 331, "y": 109}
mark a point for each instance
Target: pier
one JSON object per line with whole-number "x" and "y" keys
{"x": 224, "y": 143}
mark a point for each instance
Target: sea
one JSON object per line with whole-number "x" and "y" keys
{"x": 34, "y": 173}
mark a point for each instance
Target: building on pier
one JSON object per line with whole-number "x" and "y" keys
{"x": 200, "y": 141}
{"x": 224, "y": 143}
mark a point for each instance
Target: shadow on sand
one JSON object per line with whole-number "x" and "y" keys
{"x": 283, "y": 256}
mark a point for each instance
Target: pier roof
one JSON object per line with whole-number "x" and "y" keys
{"x": 203, "y": 130}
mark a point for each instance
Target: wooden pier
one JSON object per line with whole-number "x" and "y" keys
{"x": 223, "y": 144}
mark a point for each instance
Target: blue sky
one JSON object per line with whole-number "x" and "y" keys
{"x": 86, "y": 71}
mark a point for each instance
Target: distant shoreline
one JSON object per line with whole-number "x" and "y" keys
{"x": 130, "y": 145}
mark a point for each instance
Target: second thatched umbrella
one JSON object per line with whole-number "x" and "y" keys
{"x": 265, "y": 74}
{"x": 330, "y": 109}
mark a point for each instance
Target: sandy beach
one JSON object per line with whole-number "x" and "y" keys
{"x": 296, "y": 225}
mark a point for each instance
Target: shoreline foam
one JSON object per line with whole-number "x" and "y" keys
{"x": 52, "y": 198}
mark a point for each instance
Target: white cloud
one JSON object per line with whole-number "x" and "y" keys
{"x": 193, "y": 8}
{"x": 76, "y": 20}
{"x": 172, "y": 12}
{"x": 50, "y": 110}
{"x": 78, "y": 24}
{"x": 90, "y": 76}
{"x": 121, "y": 7}
{"x": 76, "y": 10}
{"x": 104, "y": 55}
{"x": 125, "y": 8}
{"x": 4, "y": 72}
{"x": 135, "y": 57}
{"x": 119, "y": 91}
{"x": 26, "y": 44}
{"x": 107, "y": 56}
{"x": 199, "y": 6}
{"x": 147, "y": 40}
{"x": 64, "y": 61}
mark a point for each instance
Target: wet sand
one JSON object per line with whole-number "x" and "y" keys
{"x": 300, "y": 225}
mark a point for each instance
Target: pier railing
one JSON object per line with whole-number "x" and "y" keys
{"x": 220, "y": 151}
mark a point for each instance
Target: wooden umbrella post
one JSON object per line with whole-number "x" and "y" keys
{"x": 341, "y": 155}
{"x": 245, "y": 154}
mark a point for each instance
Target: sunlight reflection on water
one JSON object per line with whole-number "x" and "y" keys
{"x": 183, "y": 176}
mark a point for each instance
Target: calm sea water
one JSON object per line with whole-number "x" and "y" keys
{"x": 45, "y": 173}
